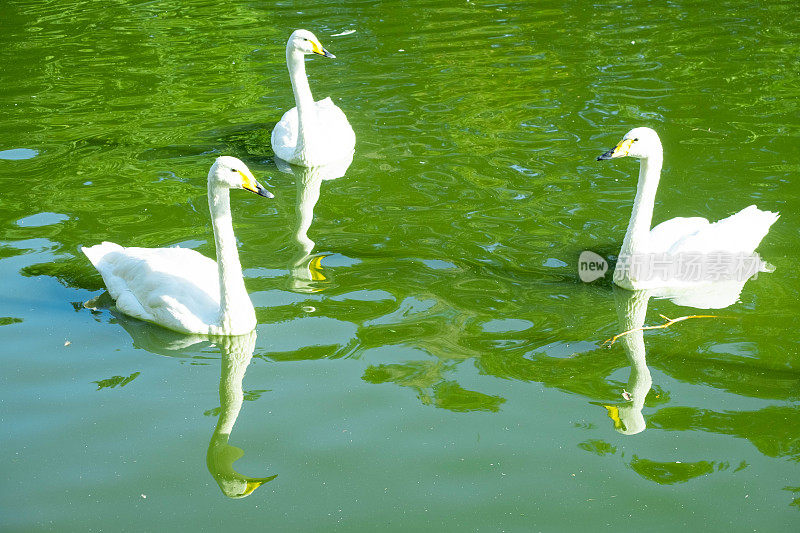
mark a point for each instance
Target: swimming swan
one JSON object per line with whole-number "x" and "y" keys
{"x": 313, "y": 133}
{"x": 679, "y": 237}
{"x": 178, "y": 288}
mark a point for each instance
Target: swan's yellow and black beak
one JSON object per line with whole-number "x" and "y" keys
{"x": 318, "y": 49}
{"x": 620, "y": 150}
{"x": 249, "y": 183}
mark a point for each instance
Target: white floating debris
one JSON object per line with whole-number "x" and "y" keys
{"x": 67, "y": 343}
{"x": 346, "y": 32}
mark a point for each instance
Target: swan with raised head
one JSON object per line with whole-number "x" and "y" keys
{"x": 181, "y": 289}
{"x": 312, "y": 133}
{"x": 738, "y": 234}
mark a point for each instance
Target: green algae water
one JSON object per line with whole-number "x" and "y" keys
{"x": 426, "y": 356}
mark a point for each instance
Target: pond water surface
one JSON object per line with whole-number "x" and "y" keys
{"x": 426, "y": 357}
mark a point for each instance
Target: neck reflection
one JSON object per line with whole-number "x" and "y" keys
{"x": 237, "y": 353}
{"x": 307, "y": 269}
{"x": 632, "y": 311}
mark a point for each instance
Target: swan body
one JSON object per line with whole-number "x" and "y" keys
{"x": 311, "y": 133}
{"x": 181, "y": 289}
{"x": 678, "y": 237}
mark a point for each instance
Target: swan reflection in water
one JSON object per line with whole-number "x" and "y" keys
{"x": 307, "y": 269}
{"x": 236, "y": 355}
{"x": 237, "y": 352}
{"x": 632, "y": 311}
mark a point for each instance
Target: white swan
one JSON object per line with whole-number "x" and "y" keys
{"x": 738, "y": 234}
{"x": 178, "y": 288}
{"x": 313, "y": 133}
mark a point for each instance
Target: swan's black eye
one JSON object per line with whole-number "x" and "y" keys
{"x": 234, "y": 170}
{"x": 635, "y": 140}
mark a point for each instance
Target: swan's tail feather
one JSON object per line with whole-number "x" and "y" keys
{"x": 98, "y": 251}
{"x": 746, "y": 228}
{"x": 767, "y": 217}
{"x": 98, "y": 255}
{"x": 760, "y": 222}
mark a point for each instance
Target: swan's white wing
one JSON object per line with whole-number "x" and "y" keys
{"x": 739, "y": 233}
{"x": 339, "y": 133}
{"x": 177, "y": 288}
{"x": 664, "y": 236}
{"x": 284, "y": 135}
{"x": 335, "y": 138}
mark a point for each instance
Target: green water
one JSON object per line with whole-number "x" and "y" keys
{"x": 435, "y": 364}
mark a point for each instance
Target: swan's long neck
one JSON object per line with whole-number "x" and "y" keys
{"x": 234, "y": 300}
{"x": 638, "y": 234}
{"x": 295, "y": 61}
